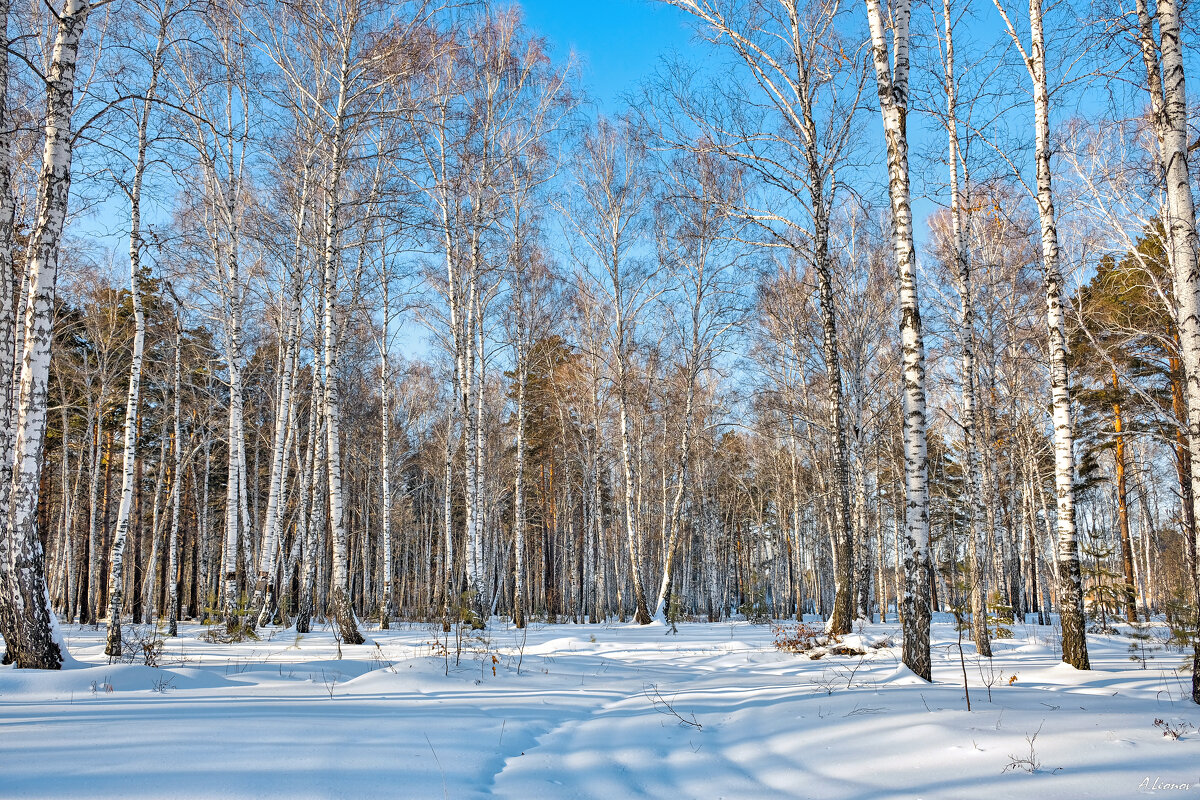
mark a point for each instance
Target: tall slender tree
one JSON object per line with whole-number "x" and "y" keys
{"x": 145, "y": 107}
{"x": 1166, "y": 82}
{"x": 1070, "y": 585}
{"x": 31, "y": 634}
{"x": 973, "y": 495}
{"x": 891, "y": 77}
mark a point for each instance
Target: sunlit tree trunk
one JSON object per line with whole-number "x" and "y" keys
{"x": 973, "y": 495}
{"x": 522, "y": 366}
{"x": 1070, "y": 584}
{"x": 116, "y": 561}
{"x": 260, "y": 603}
{"x": 331, "y": 261}
{"x": 30, "y": 630}
{"x": 8, "y": 323}
{"x": 892, "y": 81}
{"x": 313, "y": 508}
{"x": 641, "y": 611}
{"x": 235, "y": 446}
{"x": 1166, "y": 81}
{"x": 388, "y": 607}
{"x": 176, "y": 487}
{"x": 473, "y": 431}
{"x": 843, "y": 599}
{"x": 133, "y": 406}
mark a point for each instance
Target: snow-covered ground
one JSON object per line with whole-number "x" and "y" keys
{"x": 597, "y": 711}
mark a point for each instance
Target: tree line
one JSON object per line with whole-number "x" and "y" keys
{"x": 399, "y": 327}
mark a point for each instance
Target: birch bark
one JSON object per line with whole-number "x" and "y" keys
{"x": 8, "y": 320}
{"x": 284, "y": 419}
{"x": 112, "y": 646}
{"x": 1071, "y": 591}
{"x": 1074, "y": 639}
{"x": 314, "y": 493}
{"x": 388, "y": 607}
{"x": 522, "y": 356}
{"x": 966, "y": 335}
{"x": 331, "y": 261}
{"x": 176, "y": 486}
{"x": 1166, "y": 81}
{"x": 641, "y": 612}
{"x": 31, "y": 632}
{"x": 892, "y": 82}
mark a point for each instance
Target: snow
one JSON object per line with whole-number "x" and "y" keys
{"x": 585, "y": 711}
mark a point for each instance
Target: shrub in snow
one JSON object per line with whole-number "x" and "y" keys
{"x": 812, "y": 641}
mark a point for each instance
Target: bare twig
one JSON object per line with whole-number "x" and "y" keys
{"x": 663, "y": 706}
{"x": 1029, "y": 763}
{"x": 438, "y": 761}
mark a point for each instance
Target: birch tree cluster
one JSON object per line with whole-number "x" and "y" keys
{"x": 351, "y": 312}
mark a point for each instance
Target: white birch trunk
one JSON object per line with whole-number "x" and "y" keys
{"x": 8, "y": 321}
{"x": 313, "y": 504}
{"x": 176, "y": 488}
{"x": 448, "y": 522}
{"x": 388, "y": 607}
{"x": 522, "y": 356}
{"x": 601, "y": 600}
{"x": 843, "y": 612}
{"x": 235, "y": 457}
{"x": 116, "y": 557}
{"x": 284, "y": 423}
{"x": 892, "y": 82}
{"x": 150, "y": 583}
{"x": 966, "y": 335}
{"x": 681, "y": 472}
{"x": 30, "y": 631}
{"x": 132, "y": 405}
{"x": 1169, "y": 112}
{"x": 472, "y": 418}
{"x": 641, "y": 612}
{"x": 331, "y": 260}
{"x": 1070, "y": 588}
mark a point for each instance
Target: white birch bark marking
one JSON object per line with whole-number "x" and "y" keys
{"x": 966, "y": 335}
{"x": 1169, "y": 113}
{"x": 31, "y": 635}
{"x": 892, "y": 82}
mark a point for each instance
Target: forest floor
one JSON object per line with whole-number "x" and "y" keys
{"x": 598, "y": 711}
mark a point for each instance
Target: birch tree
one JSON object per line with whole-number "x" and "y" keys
{"x": 290, "y": 325}
{"x": 30, "y": 635}
{"x": 966, "y": 334}
{"x": 176, "y": 482}
{"x": 697, "y": 235}
{"x": 145, "y": 108}
{"x": 8, "y": 323}
{"x": 606, "y": 219}
{"x": 891, "y": 78}
{"x": 798, "y": 65}
{"x": 387, "y": 609}
{"x": 1074, "y": 640}
{"x": 351, "y": 98}
{"x": 211, "y": 79}
{"x": 1166, "y": 82}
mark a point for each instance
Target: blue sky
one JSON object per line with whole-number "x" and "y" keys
{"x": 618, "y": 42}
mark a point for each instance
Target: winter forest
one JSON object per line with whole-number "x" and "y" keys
{"x": 870, "y": 327}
